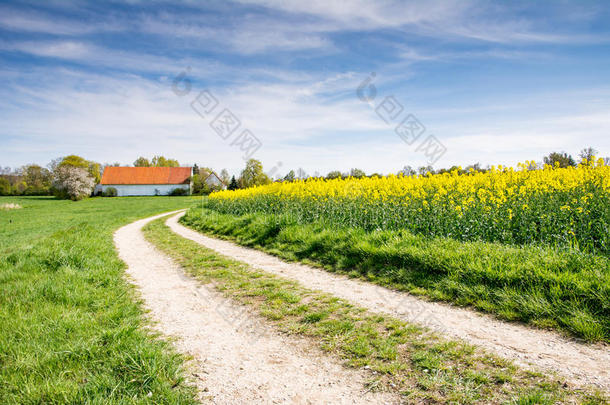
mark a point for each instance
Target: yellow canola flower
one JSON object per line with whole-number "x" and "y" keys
{"x": 489, "y": 189}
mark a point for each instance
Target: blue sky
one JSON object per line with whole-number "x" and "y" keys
{"x": 492, "y": 82}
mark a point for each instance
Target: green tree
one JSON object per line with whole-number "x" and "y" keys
{"x": 233, "y": 184}
{"x": 253, "y": 174}
{"x": 142, "y": 162}
{"x": 37, "y": 179}
{"x": 290, "y": 176}
{"x": 200, "y": 187}
{"x": 562, "y": 159}
{"x": 424, "y": 170}
{"x": 162, "y": 161}
{"x": 407, "y": 171}
{"x": 195, "y": 169}
{"x": 475, "y": 167}
{"x": 205, "y": 171}
{"x": 5, "y": 186}
{"x": 19, "y": 187}
{"x": 451, "y": 169}
{"x": 76, "y": 161}
{"x": 335, "y": 174}
{"x": 357, "y": 173}
{"x": 95, "y": 170}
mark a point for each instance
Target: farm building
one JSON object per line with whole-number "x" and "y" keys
{"x": 215, "y": 182}
{"x": 131, "y": 181}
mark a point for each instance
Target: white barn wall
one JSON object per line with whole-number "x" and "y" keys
{"x": 145, "y": 189}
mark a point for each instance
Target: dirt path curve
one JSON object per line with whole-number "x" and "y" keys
{"x": 234, "y": 364}
{"x": 579, "y": 363}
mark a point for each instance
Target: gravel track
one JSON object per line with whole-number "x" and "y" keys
{"x": 236, "y": 357}
{"x": 579, "y": 363}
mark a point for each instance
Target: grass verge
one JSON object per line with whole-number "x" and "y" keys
{"x": 71, "y": 328}
{"x": 422, "y": 366}
{"x": 544, "y": 287}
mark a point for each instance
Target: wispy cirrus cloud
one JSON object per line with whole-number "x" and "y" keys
{"x": 34, "y": 21}
{"x": 452, "y": 20}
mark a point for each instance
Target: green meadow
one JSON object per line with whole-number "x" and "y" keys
{"x": 72, "y": 330}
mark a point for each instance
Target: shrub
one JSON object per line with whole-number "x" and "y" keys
{"x": 71, "y": 182}
{"x": 110, "y": 192}
{"x": 178, "y": 191}
{"x": 5, "y": 186}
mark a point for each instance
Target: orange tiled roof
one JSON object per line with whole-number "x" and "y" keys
{"x": 146, "y": 175}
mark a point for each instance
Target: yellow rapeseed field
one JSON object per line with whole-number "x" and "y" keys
{"x": 566, "y": 206}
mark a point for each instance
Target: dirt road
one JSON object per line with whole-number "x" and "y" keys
{"x": 237, "y": 358}
{"x": 579, "y": 363}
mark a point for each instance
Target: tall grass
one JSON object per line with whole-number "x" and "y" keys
{"x": 72, "y": 329}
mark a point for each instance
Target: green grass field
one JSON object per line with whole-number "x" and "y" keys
{"x": 543, "y": 286}
{"x": 71, "y": 328}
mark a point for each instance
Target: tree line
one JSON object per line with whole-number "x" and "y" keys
{"x": 75, "y": 177}
{"x": 555, "y": 159}
{"x": 70, "y": 176}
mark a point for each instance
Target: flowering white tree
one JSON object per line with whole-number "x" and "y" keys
{"x": 73, "y": 182}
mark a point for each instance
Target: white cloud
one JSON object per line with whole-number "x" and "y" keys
{"x": 38, "y": 23}
{"x": 305, "y": 117}
{"x": 89, "y": 54}
{"x": 449, "y": 20}
{"x": 118, "y": 119}
{"x": 33, "y": 21}
{"x": 246, "y": 36}
{"x": 71, "y": 50}
{"x": 366, "y": 15}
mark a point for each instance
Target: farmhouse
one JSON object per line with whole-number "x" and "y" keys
{"x": 146, "y": 180}
{"x": 215, "y": 182}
